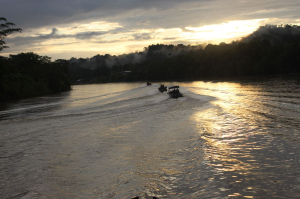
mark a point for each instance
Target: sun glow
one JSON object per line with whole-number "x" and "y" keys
{"x": 226, "y": 30}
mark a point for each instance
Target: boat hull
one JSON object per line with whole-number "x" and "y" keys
{"x": 175, "y": 95}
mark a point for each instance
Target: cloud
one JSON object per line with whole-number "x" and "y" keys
{"x": 20, "y": 40}
{"x": 142, "y": 36}
{"x": 89, "y": 35}
{"x": 131, "y": 22}
{"x": 134, "y": 13}
{"x": 49, "y": 36}
{"x": 170, "y": 38}
{"x": 55, "y": 34}
{"x": 32, "y": 13}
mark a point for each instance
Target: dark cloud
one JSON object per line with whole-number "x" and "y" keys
{"x": 142, "y": 36}
{"x": 49, "y": 36}
{"x": 20, "y": 40}
{"x": 135, "y": 13}
{"x": 89, "y": 35}
{"x": 34, "y": 13}
{"x": 169, "y": 38}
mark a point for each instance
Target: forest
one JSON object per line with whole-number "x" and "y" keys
{"x": 28, "y": 75}
{"x": 270, "y": 50}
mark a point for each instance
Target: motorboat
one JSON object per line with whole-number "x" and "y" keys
{"x": 162, "y": 88}
{"x": 174, "y": 92}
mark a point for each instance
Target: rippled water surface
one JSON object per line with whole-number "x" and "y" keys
{"x": 236, "y": 139}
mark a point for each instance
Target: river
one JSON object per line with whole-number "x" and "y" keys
{"x": 234, "y": 139}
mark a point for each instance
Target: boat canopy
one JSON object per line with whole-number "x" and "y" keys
{"x": 172, "y": 87}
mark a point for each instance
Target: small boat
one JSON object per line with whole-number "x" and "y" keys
{"x": 174, "y": 92}
{"x": 162, "y": 88}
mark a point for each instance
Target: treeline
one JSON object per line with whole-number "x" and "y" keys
{"x": 28, "y": 75}
{"x": 269, "y": 50}
{"x": 109, "y": 68}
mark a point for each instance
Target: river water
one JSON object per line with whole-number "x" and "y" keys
{"x": 237, "y": 139}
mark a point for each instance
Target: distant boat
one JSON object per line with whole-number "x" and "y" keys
{"x": 174, "y": 92}
{"x": 162, "y": 88}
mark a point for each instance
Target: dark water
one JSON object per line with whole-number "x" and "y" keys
{"x": 221, "y": 140}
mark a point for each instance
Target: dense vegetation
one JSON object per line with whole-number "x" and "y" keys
{"x": 28, "y": 74}
{"x": 269, "y": 50}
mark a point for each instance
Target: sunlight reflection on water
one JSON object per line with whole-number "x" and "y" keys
{"x": 239, "y": 141}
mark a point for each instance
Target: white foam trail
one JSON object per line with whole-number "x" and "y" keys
{"x": 192, "y": 93}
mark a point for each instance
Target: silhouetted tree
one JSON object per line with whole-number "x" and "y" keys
{"x": 5, "y": 30}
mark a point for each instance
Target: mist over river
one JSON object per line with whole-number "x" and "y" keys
{"x": 237, "y": 139}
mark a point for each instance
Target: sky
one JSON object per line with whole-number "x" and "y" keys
{"x": 62, "y": 29}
